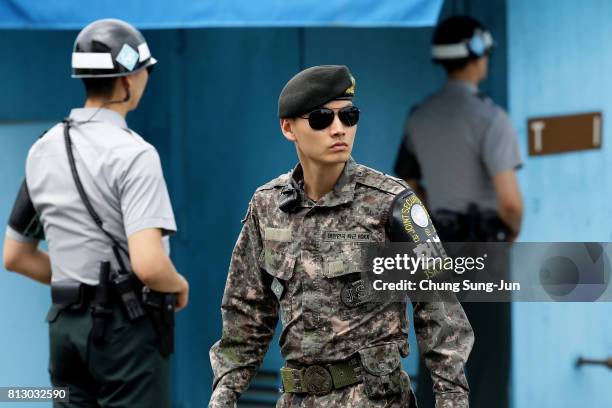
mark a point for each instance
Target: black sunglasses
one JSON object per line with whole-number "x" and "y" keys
{"x": 321, "y": 118}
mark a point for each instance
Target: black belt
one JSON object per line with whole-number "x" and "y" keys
{"x": 159, "y": 306}
{"x": 76, "y": 295}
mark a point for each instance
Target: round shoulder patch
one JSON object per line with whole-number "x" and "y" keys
{"x": 419, "y": 215}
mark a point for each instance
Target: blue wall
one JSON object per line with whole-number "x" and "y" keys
{"x": 560, "y": 62}
{"x": 36, "y": 91}
{"x": 24, "y": 343}
{"x": 210, "y": 111}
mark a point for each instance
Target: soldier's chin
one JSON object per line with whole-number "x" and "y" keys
{"x": 338, "y": 157}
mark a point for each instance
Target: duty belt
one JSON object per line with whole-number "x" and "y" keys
{"x": 321, "y": 379}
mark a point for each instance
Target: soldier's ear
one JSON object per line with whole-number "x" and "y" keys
{"x": 287, "y": 127}
{"x": 126, "y": 82}
{"x": 123, "y": 88}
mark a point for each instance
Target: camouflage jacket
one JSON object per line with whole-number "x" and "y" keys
{"x": 293, "y": 265}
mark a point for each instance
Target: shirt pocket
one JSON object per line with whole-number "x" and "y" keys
{"x": 278, "y": 260}
{"x": 343, "y": 269}
{"x": 343, "y": 259}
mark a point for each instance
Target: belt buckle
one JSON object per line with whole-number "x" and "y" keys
{"x": 317, "y": 380}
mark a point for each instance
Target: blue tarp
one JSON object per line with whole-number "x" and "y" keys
{"x": 74, "y": 14}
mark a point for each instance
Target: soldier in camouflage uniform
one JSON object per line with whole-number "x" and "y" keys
{"x": 299, "y": 255}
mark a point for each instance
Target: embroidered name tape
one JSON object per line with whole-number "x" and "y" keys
{"x": 351, "y": 236}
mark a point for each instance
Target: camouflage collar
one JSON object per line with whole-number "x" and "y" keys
{"x": 342, "y": 193}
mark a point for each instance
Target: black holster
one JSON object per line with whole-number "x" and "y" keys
{"x": 161, "y": 308}
{"x": 101, "y": 310}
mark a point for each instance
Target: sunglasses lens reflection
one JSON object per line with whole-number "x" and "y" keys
{"x": 349, "y": 115}
{"x": 321, "y": 118}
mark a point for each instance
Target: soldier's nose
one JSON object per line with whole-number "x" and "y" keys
{"x": 337, "y": 128}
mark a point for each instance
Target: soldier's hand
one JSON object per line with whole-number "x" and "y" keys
{"x": 182, "y": 297}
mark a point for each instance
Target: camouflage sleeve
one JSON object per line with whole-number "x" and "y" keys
{"x": 442, "y": 329}
{"x": 249, "y": 313}
{"x": 445, "y": 339}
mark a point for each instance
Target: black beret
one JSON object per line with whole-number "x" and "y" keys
{"x": 314, "y": 87}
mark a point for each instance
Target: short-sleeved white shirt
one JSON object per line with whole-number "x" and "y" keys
{"x": 122, "y": 176}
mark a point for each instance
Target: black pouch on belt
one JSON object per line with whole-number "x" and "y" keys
{"x": 68, "y": 295}
{"x": 161, "y": 306}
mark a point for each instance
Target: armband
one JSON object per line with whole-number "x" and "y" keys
{"x": 408, "y": 220}
{"x": 24, "y": 219}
